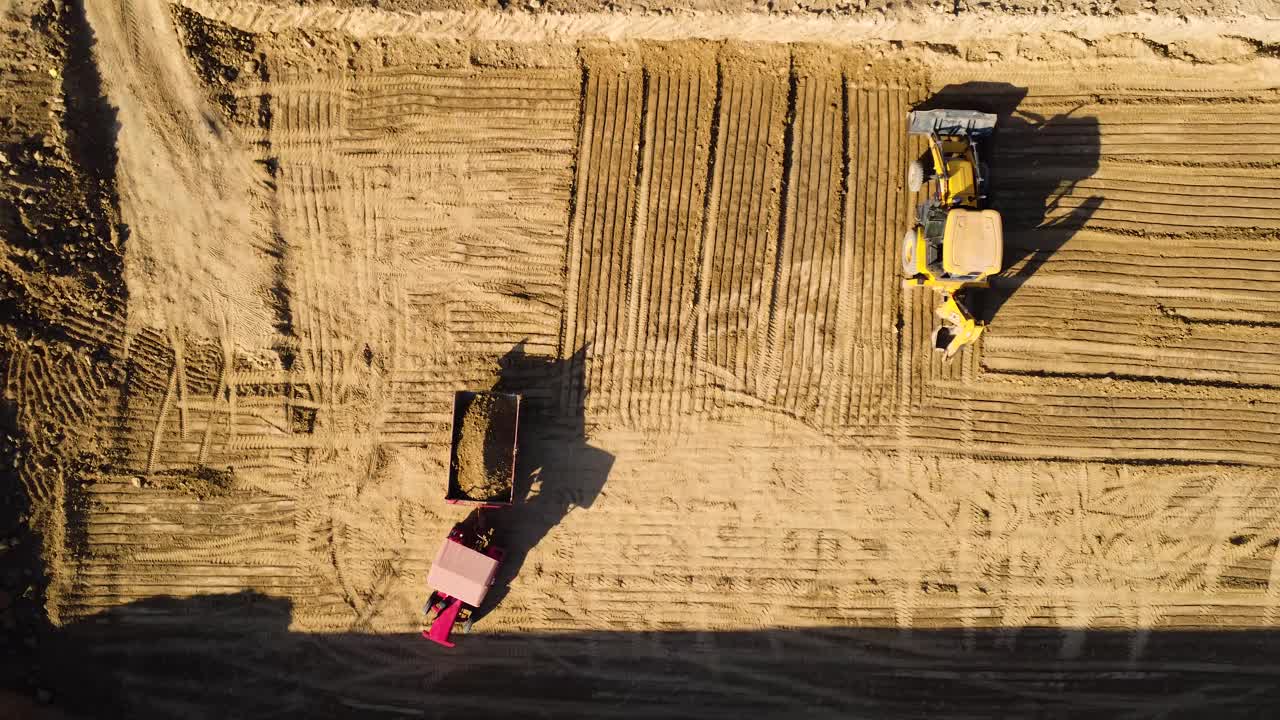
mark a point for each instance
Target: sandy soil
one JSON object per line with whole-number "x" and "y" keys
{"x": 825, "y": 9}
{"x": 274, "y": 239}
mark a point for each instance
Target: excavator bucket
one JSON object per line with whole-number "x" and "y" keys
{"x": 950, "y": 122}
{"x": 958, "y": 327}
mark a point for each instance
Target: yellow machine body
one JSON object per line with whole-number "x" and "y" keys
{"x": 956, "y": 243}
{"x": 961, "y": 187}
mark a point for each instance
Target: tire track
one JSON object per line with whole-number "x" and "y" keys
{"x": 742, "y": 241}
{"x": 1131, "y": 335}
{"x": 1139, "y": 425}
{"x": 680, "y": 139}
{"x": 875, "y": 213}
{"x": 644, "y": 260}
{"x": 604, "y": 181}
{"x": 149, "y": 541}
{"x": 809, "y": 243}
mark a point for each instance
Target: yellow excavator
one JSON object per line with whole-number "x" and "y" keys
{"x": 956, "y": 242}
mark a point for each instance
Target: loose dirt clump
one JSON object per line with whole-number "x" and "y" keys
{"x": 483, "y": 471}
{"x": 221, "y": 55}
{"x": 203, "y": 482}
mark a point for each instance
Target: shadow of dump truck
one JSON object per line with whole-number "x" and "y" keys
{"x": 557, "y": 470}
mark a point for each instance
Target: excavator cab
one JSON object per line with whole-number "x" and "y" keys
{"x": 972, "y": 245}
{"x": 956, "y": 242}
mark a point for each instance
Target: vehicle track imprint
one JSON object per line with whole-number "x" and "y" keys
{"x": 765, "y": 176}
{"x": 686, "y": 256}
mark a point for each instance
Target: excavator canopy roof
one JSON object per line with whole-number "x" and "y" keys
{"x": 973, "y": 242}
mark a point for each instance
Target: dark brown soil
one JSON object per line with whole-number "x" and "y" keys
{"x": 203, "y": 481}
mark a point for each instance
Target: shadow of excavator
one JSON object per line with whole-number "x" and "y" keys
{"x": 1037, "y": 164}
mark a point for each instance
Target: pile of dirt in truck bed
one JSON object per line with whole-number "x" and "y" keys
{"x": 483, "y": 457}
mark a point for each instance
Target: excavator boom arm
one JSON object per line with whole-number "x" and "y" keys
{"x": 958, "y": 326}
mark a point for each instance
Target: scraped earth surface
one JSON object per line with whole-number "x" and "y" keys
{"x": 748, "y": 470}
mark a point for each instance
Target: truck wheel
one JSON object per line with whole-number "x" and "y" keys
{"x": 909, "y": 267}
{"x": 915, "y": 176}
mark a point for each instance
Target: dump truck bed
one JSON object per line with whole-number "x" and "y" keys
{"x": 482, "y": 456}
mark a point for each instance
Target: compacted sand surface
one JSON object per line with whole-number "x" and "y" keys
{"x": 270, "y": 240}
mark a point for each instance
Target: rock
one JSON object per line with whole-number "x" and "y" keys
{"x": 136, "y": 482}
